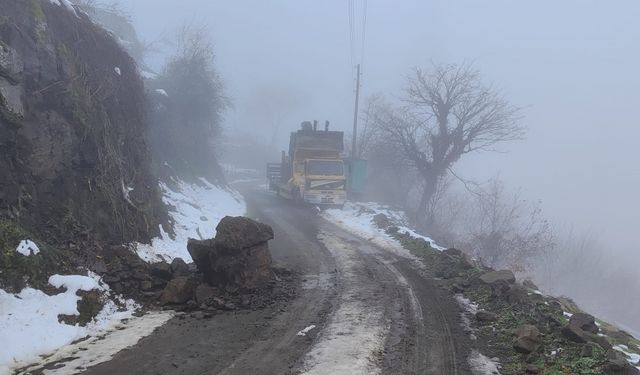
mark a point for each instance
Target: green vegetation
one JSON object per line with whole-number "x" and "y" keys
{"x": 17, "y": 270}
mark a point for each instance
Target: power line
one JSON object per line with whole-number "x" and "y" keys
{"x": 364, "y": 31}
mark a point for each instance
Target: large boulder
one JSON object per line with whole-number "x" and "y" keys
{"x": 237, "y": 233}
{"x": 238, "y": 257}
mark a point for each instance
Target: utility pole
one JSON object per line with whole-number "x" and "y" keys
{"x": 354, "y": 141}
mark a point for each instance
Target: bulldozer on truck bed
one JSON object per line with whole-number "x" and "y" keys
{"x": 313, "y": 171}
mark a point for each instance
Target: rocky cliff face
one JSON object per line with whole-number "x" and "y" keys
{"x": 72, "y": 127}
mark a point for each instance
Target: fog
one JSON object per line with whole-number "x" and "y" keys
{"x": 572, "y": 66}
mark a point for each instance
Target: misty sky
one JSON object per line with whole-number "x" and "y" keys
{"x": 572, "y": 65}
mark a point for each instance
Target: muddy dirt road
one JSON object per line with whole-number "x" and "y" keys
{"x": 362, "y": 310}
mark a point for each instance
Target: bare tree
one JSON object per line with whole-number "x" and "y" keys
{"x": 448, "y": 113}
{"x": 506, "y": 230}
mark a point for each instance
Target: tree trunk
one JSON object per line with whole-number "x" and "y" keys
{"x": 424, "y": 218}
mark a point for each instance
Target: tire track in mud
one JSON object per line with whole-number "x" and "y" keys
{"x": 421, "y": 332}
{"x": 353, "y": 338}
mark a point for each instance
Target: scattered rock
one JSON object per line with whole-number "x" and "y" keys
{"x": 531, "y": 369}
{"x": 587, "y": 350}
{"x": 179, "y": 268}
{"x": 574, "y": 334}
{"x": 585, "y": 322}
{"x": 617, "y": 364}
{"x": 382, "y": 221}
{"x": 516, "y": 294}
{"x": 178, "y": 291}
{"x": 204, "y": 293}
{"x": 528, "y": 339}
{"x": 146, "y": 286}
{"x": 495, "y": 277}
{"x": 161, "y": 270}
{"x": 467, "y": 262}
{"x": 485, "y": 316}
{"x": 529, "y": 284}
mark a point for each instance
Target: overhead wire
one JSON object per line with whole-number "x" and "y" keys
{"x": 351, "y": 10}
{"x": 364, "y": 31}
{"x": 357, "y": 10}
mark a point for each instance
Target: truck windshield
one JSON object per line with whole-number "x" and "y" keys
{"x": 325, "y": 168}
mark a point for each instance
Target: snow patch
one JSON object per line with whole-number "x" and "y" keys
{"x": 162, "y": 92}
{"x": 633, "y": 358}
{"x": 357, "y": 218}
{"x": 74, "y": 282}
{"x": 102, "y": 348}
{"x": 148, "y": 75}
{"x": 469, "y": 310}
{"x": 195, "y": 210}
{"x": 305, "y": 331}
{"x": 29, "y": 319}
{"x": 27, "y": 248}
{"x": 482, "y": 365}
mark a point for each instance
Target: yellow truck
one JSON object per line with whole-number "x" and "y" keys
{"x": 313, "y": 171}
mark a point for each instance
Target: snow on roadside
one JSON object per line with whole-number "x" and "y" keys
{"x": 357, "y": 218}
{"x": 469, "y": 310}
{"x": 482, "y": 365}
{"x": 196, "y": 210}
{"x": 101, "y": 348}
{"x": 633, "y": 358}
{"x": 29, "y": 319}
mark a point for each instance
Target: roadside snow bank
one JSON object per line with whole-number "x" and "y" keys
{"x": 29, "y": 323}
{"x": 196, "y": 210}
{"x": 357, "y": 218}
{"x": 482, "y": 365}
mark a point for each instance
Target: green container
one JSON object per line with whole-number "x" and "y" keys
{"x": 357, "y": 175}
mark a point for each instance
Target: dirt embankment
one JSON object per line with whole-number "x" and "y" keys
{"x": 74, "y": 161}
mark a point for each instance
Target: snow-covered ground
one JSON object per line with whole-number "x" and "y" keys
{"x": 196, "y": 210}
{"x": 29, "y": 325}
{"x": 29, "y": 320}
{"x": 357, "y": 218}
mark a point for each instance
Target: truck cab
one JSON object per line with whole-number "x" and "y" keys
{"x": 312, "y": 171}
{"x": 325, "y": 182}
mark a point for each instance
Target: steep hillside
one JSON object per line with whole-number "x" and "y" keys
{"x": 74, "y": 163}
{"x": 72, "y": 125}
